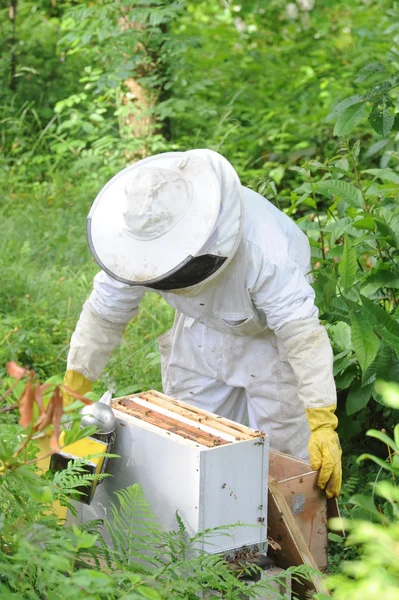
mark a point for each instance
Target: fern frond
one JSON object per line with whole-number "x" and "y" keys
{"x": 350, "y": 485}
{"x": 75, "y": 475}
{"x": 133, "y": 529}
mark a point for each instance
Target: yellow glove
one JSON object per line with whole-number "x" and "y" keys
{"x": 76, "y": 382}
{"x": 324, "y": 448}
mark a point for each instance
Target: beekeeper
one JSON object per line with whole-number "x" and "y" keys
{"x": 246, "y": 340}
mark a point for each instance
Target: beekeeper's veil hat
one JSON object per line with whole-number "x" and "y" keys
{"x": 167, "y": 221}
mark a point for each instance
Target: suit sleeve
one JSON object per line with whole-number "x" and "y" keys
{"x": 103, "y": 319}
{"x": 286, "y": 298}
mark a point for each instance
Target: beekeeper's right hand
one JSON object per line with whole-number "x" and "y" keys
{"x": 77, "y": 383}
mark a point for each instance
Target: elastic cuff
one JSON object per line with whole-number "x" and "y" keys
{"x": 322, "y": 417}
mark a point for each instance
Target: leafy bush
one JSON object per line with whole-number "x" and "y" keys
{"x": 354, "y": 235}
{"x": 376, "y": 571}
{"x": 254, "y": 81}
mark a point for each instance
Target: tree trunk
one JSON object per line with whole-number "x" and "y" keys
{"x": 140, "y": 121}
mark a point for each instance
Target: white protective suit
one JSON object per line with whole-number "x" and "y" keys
{"x": 247, "y": 341}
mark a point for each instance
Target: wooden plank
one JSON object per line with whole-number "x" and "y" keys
{"x": 194, "y": 414}
{"x": 167, "y": 423}
{"x": 240, "y": 432}
{"x": 334, "y": 513}
{"x": 308, "y": 504}
{"x": 282, "y": 466}
{"x": 283, "y": 528}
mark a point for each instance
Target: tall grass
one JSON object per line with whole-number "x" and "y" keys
{"x": 47, "y": 273}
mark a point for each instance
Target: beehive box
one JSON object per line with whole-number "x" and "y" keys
{"x": 211, "y": 470}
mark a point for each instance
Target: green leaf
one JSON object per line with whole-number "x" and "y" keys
{"x": 347, "y": 191}
{"x": 384, "y": 438}
{"x": 375, "y": 67}
{"x": 342, "y": 166}
{"x": 338, "y": 228}
{"x": 387, "y": 490}
{"x": 341, "y": 360}
{"x": 277, "y": 174}
{"x": 300, "y": 170}
{"x": 348, "y": 120}
{"x": 348, "y": 265}
{"x": 384, "y": 278}
{"x": 341, "y": 336}
{"x": 339, "y": 307}
{"x": 366, "y": 503}
{"x": 389, "y": 331}
{"x": 376, "y": 147}
{"x": 147, "y": 592}
{"x": 365, "y": 342}
{"x": 389, "y": 393}
{"x": 329, "y": 291}
{"x": 381, "y": 463}
{"x": 364, "y": 223}
{"x": 377, "y": 90}
{"x": 41, "y": 493}
{"x": 390, "y": 339}
{"x": 395, "y": 126}
{"x": 357, "y": 399}
{"x": 387, "y": 365}
{"x": 386, "y": 231}
{"x": 83, "y": 539}
{"x": 333, "y": 537}
{"x": 382, "y": 116}
{"x": 356, "y": 149}
{"x": 339, "y": 109}
{"x": 381, "y": 315}
{"x": 386, "y": 174}
{"x": 373, "y": 190}
{"x": 344, "y": 379}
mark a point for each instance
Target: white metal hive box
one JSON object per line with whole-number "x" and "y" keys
{"x": 213, "y": 471}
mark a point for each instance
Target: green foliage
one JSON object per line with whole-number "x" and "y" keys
{"x": 275, "y": 89}
{"x": 356, "y": 248}
{"x": 377, "y": 102}
{"x": 374, "y": 529}
{"x": 42, "y": 557}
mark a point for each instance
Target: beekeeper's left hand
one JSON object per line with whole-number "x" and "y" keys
{"x": 325, "y": 449}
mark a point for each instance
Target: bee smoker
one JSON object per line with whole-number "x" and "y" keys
{"x": 102, "y": 416}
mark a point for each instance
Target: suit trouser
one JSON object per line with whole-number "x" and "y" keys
{"x": 237, "y": 377}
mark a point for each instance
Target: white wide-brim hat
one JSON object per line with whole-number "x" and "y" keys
{"x": 154, "y": 216}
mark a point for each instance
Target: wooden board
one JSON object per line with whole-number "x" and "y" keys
{"x": 334, "y": 513}
{"x": 308, "y": 505}
{"x": 189, "y": 432}
{"x": 282, "y": 466}
{"x": 283, "y": 528}
{"x": 238, "y": 431}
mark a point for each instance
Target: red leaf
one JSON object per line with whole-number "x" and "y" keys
{"x": 45, "y": 387}
{"x": 15, "y": 371}
{"x": 76, "y": 395}
{"x": 46, "y": 418}
{"x": 26, "y": 405}
{"x": 39, "y": 398}
{"x": 57, "y": 404}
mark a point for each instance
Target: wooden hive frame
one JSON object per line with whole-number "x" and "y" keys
{"x": 185, "y": 420}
